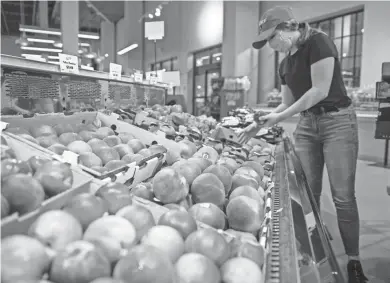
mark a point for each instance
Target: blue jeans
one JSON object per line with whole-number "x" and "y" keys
{"x": 332, "y": 139}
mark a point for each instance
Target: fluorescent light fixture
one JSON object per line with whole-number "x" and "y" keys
{"x": 127, "y": 49}
{"x": 33, "y": 29}
{"x": 41, "y": 31}
{"x": 31, "y": 55}
{"x": 53, "y": 62}
{"x": 40, "y": 40}
{"x": 53, "y": 57}
{"x": 85, "y": 44}
{"x": 41, "y": 49}
{"x": 85, "y": 67}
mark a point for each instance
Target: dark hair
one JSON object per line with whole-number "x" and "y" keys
{"x": 172, "y": 102}
{"x": 304, "y": 29}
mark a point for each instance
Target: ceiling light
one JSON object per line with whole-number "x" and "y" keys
{"x": 90, "y": 55}
{"x": 88, "y": 36}
{"x": 40, "y": 40}
{"x": 58, "y": 44}
{"x": 41, "y": 49}
{"x": 127, "y": 49}
{"x": 22, "y": 41}
{"x": 150, "y": 16}
{"x": 53, "y": 57}
{"x": 53, "y": 62}
{"x": 86, "y": 67}
{"x": 85, "y": 44}
{"x": 33, "y": 29}
{"x": 106, "y": 55}
{"x": 31, "y": 56}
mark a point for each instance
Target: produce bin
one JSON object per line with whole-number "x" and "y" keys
{"x": 18, "y": 224}
{"x": 129, "y": 173}
{"x": 145, "y": 136}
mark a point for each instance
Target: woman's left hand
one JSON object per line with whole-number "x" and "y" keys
{"x": 270, "y": 119}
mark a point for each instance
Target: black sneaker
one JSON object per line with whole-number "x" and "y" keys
{"x": 355, "y": 272}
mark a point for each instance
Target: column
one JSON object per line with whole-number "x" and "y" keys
{"x": 239, "y": 31}
{"x": 70, "y": 27}
{"x": 107, "y": 43}
{"x": 133, "y": 34}
{"x": 43, "y": 14}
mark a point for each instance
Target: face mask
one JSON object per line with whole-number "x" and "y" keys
{"x": 285, "y": 43}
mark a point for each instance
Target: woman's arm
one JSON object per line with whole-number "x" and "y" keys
{"x": 321, "y": 77}
{"x": 287, "y": 99}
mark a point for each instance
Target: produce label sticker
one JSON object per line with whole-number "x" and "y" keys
{"x": 206, "y": 156}
{"x": 4, "y": 125}
{"x": 70, "y": 157}
{"x": 115, "y": 71}
{"x": 69, "y": 63}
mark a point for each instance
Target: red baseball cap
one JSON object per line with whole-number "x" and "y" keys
{"x": 268, "y": 23}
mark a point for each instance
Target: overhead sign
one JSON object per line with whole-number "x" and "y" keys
{"x": 115, "y": 71}
{"x": 154, "y": 30}
{"x": 69, "y": 64}
{"x": 171, "y": 78}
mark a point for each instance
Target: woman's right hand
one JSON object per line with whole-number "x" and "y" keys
{"x": 248, "y": 133}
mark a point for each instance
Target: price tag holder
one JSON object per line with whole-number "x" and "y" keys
{"x": 70, "y": 157}
{"x": 4, "y": 125}
{"x": 138, "y": 77}
{"x": 69, "y": 64}
{"x": 115, "y": 71}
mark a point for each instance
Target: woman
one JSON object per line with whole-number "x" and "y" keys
{"x": 312, "y": 85}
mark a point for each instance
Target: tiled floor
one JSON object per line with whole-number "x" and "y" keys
{"x": 374, "y": 209}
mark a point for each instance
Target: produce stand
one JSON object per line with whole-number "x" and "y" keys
{"x": 295, "y": 244}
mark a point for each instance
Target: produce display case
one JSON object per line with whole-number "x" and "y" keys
{"x": 300, "y": 245}
{"x": 292, "y": 235}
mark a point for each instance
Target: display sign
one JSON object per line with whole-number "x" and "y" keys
{"x": 158, "y": 75}
{"x": 171, "y": 78}
{"x": 69, "y": 63}
{"x": 154, "y": 30}
{"x": 382, "y": 90}
{"x": 138, "y": 77}
{"x": 115, "y": 71}
{"x": 153, "y": 79}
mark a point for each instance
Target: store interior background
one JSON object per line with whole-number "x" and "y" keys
{"x": 210, "y": 39}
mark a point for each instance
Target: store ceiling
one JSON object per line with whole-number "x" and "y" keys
{"x": 89, "y": 20}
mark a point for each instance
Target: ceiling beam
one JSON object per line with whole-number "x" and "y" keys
{"x": 97, "y": 11}
{"x": 55, "y": 10}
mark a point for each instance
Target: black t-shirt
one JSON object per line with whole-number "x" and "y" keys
{"x": 295, "y": 70}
